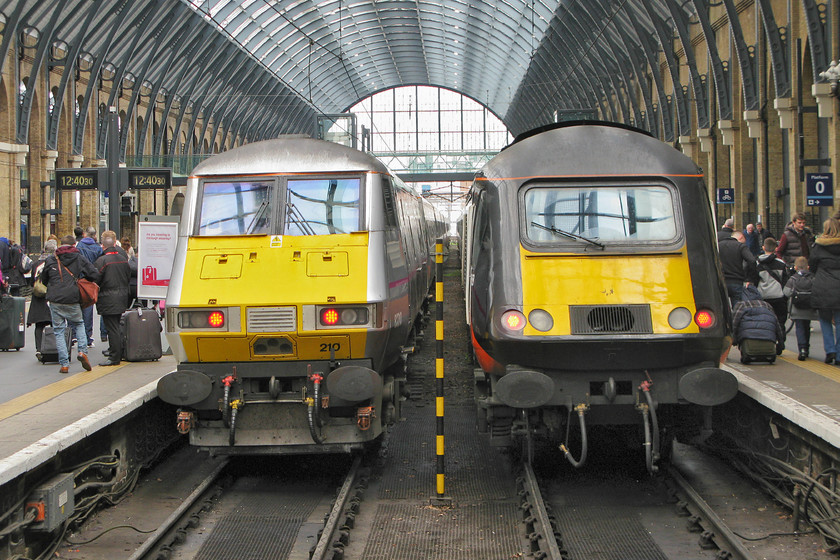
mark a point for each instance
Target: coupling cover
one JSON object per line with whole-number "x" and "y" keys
{"x": 184, "y": 387}
{"x": 524, "y": 389}
{"x": 708, "y": 386}
{"x": 353, "y": 383}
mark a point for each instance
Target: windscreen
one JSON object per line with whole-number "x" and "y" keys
{"x": 322, "y": 206}
{"x": 604, "y": 214}
{"x": 235, "y": 208}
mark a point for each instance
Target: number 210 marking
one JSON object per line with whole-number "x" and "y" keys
{"x": 330, "y": 346}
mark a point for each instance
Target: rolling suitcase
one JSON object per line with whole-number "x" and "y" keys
{"x": 49, "y": 345}
{"x": 753, "y": 350}
{"x": 141, "y": 335}
{"x": 12, "y": 322}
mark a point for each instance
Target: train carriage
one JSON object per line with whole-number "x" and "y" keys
{"x": 301, "y": 269}
{"x": 594, "y": 294}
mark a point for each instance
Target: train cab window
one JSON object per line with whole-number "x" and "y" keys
{"x": 235, "y": 208}
{"x": 599, "y": 215}
{"x": 322, "y": 206}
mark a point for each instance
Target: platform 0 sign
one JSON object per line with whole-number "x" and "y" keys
{"x": 819, "y": 189}
{"x": 726, "y": 196}
{"x": 156, "y": 251}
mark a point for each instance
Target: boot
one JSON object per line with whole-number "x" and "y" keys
{"x": 829, "y": 358}
{"x": 803, "y": 353}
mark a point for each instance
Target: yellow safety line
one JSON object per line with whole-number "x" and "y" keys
{"x": 826, "y": 370}
{"x": 49, "y": 392}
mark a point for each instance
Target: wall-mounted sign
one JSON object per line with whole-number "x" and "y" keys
{"x": 819, "y": 189}
{"x": 726, "y": 196}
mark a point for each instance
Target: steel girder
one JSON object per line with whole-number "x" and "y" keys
{"x": 720, "y": 70}
{"x": 779, "y": 50}
{"x": 815, "y": 17}
{"x": 746, "y": 59}
{"x": 698, "y": 80}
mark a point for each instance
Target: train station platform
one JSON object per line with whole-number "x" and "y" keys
{"x": 35, "y": 426}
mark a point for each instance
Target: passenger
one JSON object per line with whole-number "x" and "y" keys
{"x": 79, "y": 233}
{"x": 115, "y": 275}
{"x": 753, "y": 240}
{"x": 773, "y": 276}
{"x": 14, "y": 266}
{"x": 763, "y": 233}
{"x": 39, "y": 310}
{"x": 755, "y": 320}
{"x": 738, "y": 265}
{"x": 90, "y": 250}
{"x": 825, "y": 265}
{"x": 59, "y": 276}
{"x": 798, "y": 291}
{"x": 727, "y": 230}
{"x": 125, "y": 243}
{"x": 796, "y": 240}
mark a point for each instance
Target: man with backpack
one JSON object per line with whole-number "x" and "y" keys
{"x": 798, "y": 290}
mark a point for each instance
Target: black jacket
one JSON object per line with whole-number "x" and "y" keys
{"x": 61, "y": 285}
{"x": 824, "y": 263}
{"x": 737, "y": 262}
{"x": 39, "y": 310}
{"x": 114, "y": 278}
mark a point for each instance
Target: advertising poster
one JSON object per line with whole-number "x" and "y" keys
{"x": 156, "y": 241}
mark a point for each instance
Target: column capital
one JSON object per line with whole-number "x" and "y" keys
{"x": 687, "y": 145}
{"x": 727, "y": 132}
{"x": 753, "y": 119}
{"x": 19, "y": 150}
{"x": 75, "y": 161}
{"x": 705, "y": 137}
{"x": 49, "y": 157}
{"x": 785, "y": 107}
{"x": 823, "y": 92}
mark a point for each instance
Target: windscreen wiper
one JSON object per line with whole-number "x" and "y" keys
{"x": 257, "y": 217}
{"x": 570, "y": 235}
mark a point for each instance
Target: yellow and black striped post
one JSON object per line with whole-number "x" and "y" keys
{"x": 439, "y": 365}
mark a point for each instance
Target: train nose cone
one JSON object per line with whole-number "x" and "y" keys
{"x": 524, "y": 389}
{"x": 708, "y": 386}
{"x": 353, "y": 383}
{"x": 184, "y": 387}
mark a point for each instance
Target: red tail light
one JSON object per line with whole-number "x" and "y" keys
{"x": 216, "y": 319}
{"x": 513, "y": 320}
{"x": 704, "y": 318}
{"x": 329, "y": 316}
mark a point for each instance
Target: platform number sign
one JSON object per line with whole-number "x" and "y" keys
{"x": 726, "y": 196}
{"x": 819, "y": 189}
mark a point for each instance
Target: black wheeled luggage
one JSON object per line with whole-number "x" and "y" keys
{"x": 757, "y": 351}
{"x": 12, "y": 322}
{"x": 49, "y": 344}
{"x": 141, "y": 335}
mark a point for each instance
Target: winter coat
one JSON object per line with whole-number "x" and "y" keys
{"x": 737, "y": 262}
{"x": 89, "y": 248}
{"x": 773, "y": 276}
{"x": 824, "y": 263}
{"x": 13, "y": 269}
{"x": 114, "y": 279}
{"x": 61, "y": 285}
{"x": 5, "y": 261}
{"x": 753, "y": 241}
{"x": 802, "y": 279}
{"x": 793, "y": 244}
{"x": 755, "y": 319}
{"x": 39, "y": 309}
{"x": 724, "y": 233}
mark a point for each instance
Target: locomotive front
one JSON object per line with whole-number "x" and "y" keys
{"x": 606, "y": 299}
{"x": 280, "y": 311}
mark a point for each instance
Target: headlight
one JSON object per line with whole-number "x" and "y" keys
{"x": 541, "y": 320}
{"x": 340, "y": 316}
{"x": 679, "y": 318}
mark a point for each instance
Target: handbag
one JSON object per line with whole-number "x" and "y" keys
{"x": 39, "y": 289}
{"x": 88, "y": 291}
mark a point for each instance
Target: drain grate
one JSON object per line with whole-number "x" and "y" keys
{"x": 474, "y": 470}
{"x": 419, "y": 532}
{"x": 601, "y": 533}
{"x": 264, "y": 524}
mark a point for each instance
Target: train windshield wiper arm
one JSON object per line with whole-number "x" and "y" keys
{"x": 569, "y": 235}
{"x": 257, "y": 217}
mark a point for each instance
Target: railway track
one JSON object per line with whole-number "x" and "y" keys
{"x": 546, "y": 540}
{"x": 329, "y": 538}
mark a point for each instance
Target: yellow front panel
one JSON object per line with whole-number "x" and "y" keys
{"x": 266, "y": 271}
{"x": 553, "y": 282}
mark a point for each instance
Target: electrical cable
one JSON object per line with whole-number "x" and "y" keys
{"x": 133, "y": 528}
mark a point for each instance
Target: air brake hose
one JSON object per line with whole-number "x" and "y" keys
{"x": 645, "y": 387}
{"x": 584, "y": 445}
{"x": 312, "y": 405}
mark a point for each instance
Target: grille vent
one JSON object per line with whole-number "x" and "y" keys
{"x": 611, "y": 319}
{"x": 272, "y": 319}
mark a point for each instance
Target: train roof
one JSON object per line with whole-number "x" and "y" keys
{"x": 288, "y": 155}
{"x": 587, "y": 148}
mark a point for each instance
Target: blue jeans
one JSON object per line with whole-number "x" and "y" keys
{"x": 64, "y": 314}
{"x": 735, "y": 290}
{"x": 87, "y": 313}
{"x": 803, "y": 333}
{"x": 830, "y": 332}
